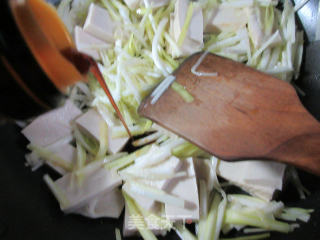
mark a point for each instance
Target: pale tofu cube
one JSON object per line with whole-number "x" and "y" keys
{"x": 99, "y": 24}
{"x": 133, "y": 4}
{"x": 108, "y": 204}
{"x": 226, "y": 19}
{"x": 93, "y": 182}
{"x": 144, "y": 202}
{"x": 259, "y": 178}
{"x": 116, "y": 144}
{"x": 90, "y": 123}
{"x": 172, "y": 163}
{"x": 185, "y": 188}
{"x": 64, "y": 151}
{"x": 88, "y": 44}
{"x": 52, "y": 126}
{"x": 158, "y": 3}
{"x": 129, "y": 227}
{"x": 255, "y": 26}
{"x": 193, "y": 41}
{"x": 152, "y": 158}
{"x": 195, "y": 31}
{"x": 33, "y": 161}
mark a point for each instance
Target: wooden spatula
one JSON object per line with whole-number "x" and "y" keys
{"x": 240, "y": 114}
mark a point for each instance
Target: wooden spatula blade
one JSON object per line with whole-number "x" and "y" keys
{"x": 239, "y": 114}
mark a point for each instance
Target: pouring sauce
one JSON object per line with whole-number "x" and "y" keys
{"x": 84, "y": 64}
{"x": 53, "y": 48}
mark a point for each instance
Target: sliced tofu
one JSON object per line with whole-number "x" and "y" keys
{"x": 90, "y": 123}
{"x": 255, "y": 26}
{"x": 66, "y": 152}
{"x": 226, "y": 19}
{"x": 195, "y": 31}
{"x": 133, "y": 4}
{"x": 144, "y": 202}
{"x": 52, "y": 126}
{"x": 155, "y": 155}
{"x": 99, "y": 24}
{"x": 33, "y": 161}
{"x": 116, "y": 144}
{"x": 158, "y": 3}
{"x": 193, "y": 41}
{"x": 172, "y": 163}
{"x": 185, "y": 188}
{"x": 93, "y": 183}
{"x": 243, "y": 47}
{"x": 259, "y": 178}
{"x": 88, "y": 44}
{"x": 129, "y": 227}
{"x": 108, "y": 204}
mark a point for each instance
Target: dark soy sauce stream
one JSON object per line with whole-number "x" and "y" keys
{"x": 84, "y": 64}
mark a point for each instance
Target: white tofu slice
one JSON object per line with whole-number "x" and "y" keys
{"x": 255, "y": 26}
{"x": 194, "y": 37}
{"x": 108, "y": 204}
{"x": 88, "y": 44}
{"x": 129, "y": 227}
{"x": 116, "y": 144}
{"x": 259, "y": 178}
{"x": 144, "y": 202}
{"x": 187, "y": 189}
{"x": 158, "y": 3}
{"x": 52, "y": 126}
{"x": 94, "y": 182}
{"x": 133, "y": 4}
{"x": 173, "y": 52}
{"x": 172, "y": 163}
{"x": 99, "y": 24}
{"x": 66, "y": 152}
{"x": 33, "y": 161}
{"x": 152, "y": 158}
{"x": 90, "y": 123}
{"x": 226, "y": 19}
{"x": 195, "y": 31}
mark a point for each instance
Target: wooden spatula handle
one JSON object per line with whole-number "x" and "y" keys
{"x": 302, "y": 151}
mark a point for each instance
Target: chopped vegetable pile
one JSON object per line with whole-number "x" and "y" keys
{"x": 160, "y": 180}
